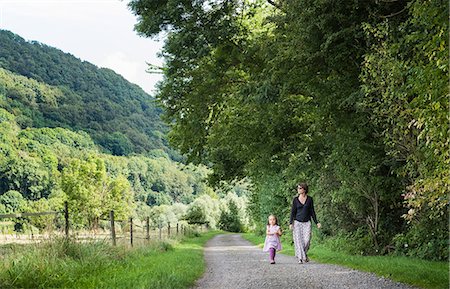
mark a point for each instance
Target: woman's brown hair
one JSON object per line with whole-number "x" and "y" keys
{"x": 304, "y": 186}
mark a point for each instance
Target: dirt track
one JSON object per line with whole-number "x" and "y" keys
{"x": 233, "y": 262}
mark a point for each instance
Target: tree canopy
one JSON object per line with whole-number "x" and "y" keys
{"x": 350, "y": 96}
{"x": 45, "y": 87}
{"x": 40, "y": 168}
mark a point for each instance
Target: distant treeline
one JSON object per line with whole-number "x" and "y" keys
{"x": 350, "y": 96}
{"x": 59, "y": 90}
{"x": 40, "y": 168}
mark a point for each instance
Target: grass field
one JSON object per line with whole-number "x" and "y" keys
{"x": 416, "y": 272}
{"x": 62, "y": 264}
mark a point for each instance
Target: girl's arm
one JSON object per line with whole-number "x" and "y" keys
{"x": 279, "y": 232}
{"x": 268, "y": 232}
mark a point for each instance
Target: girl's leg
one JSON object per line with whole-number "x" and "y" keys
{"x": 272, "y": 254}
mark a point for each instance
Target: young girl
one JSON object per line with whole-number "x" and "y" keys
{"x": 273, "y": 233}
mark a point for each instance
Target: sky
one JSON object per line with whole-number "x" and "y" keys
{"x": 98, "y": 31}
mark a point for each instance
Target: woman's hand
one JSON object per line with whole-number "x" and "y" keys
{"x": 291, "y": 227}
{"x": 319, "y": 226}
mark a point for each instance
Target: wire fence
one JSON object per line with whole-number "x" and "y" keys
{"x": 131, "y": 231}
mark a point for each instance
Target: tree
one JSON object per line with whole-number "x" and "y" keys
{"x": 13, "y": 202}
{"x": 85, "y": 183}
{"x": 229, "y": 219}
{"x": 332, "y": 92}
{"x": 406, "y": 93}
{"x": 162, "y": 215}
{"x": 203, "y": 210}
{"x": 119, "y": 198}
{"x": 117, "y": 143}
{"x": 49, "y": 88}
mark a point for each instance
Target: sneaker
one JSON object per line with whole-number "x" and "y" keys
{"x": 300, "y": 261}
{"x": 272, "y": 262}
{"x": 307, "y": 260}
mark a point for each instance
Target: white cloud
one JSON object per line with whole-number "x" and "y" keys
{"x": 99, "y": 31}
{"x": 119, "y": 62}
{"x": 133, "y": 70}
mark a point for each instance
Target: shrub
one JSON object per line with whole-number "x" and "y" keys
{"x": 229, "y": 220}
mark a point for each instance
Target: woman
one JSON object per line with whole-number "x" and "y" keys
{"x": 301, "y": 213}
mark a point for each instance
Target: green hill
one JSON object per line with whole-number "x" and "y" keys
{"x": 45, "y": 87}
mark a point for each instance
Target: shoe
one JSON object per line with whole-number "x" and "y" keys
{"x": 272, "y": 261}
{"x": 306, "y": 260}
{"x": 300, "y": 261}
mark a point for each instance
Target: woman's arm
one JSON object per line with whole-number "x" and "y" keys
{"x": 313, "y": 214}
{"x": 293, "y": 211}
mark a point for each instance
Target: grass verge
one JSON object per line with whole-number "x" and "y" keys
{"x": 416, "y": 272}
{"x": 62, "y": 264}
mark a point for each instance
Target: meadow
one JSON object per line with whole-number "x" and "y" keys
{"x": 62, "y": 263}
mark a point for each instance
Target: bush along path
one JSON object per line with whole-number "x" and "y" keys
{"x": 233, "y": 262}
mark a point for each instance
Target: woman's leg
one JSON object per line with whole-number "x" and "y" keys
{"x": 306, "y": 238}
{"x": 299, "y": 240}
{"x": 296, "y": 239}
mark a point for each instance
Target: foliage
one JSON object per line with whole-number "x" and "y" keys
{"x": 204, "y": 210}
{"x": 229, "y": 220}
{"x": 349, "y": 96}
{"x": 83, "y": 182}
{"x": 162, "y": 215}
{"x": 49, "y": 88}
{"x": 13, "y": 202}
{"x": 69, "y": 264}
{"x": 55, "y": 202}
{"x": 413, "y": 271}
{"x": 40, "y": 168}
{"x": 406, "y": 88}
{"x": 240, "y": 208}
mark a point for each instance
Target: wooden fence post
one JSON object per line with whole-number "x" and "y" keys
{"x": 168, "y": 229}
{"x": 66, "y": 217}
{"x": 147, "y": 227}
{"x": 177, "y": 229}
{"x": 113, "y": 230}
{"x": 131, "y": 231}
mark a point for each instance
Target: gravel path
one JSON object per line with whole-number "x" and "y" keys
{"x": 234, "y": 263}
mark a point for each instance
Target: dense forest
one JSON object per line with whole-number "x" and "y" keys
{"x": 59, "y": 90}
{"x": 40, "y": 168}
{"x": 70, "y": 131}
{"x": 348, "y": 96}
